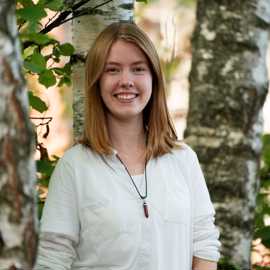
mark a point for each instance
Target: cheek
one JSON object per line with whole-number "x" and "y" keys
{"x": 104, "y": 91}
{"x": 148, "y": 84}
{"x": 104, "y": 88}
{"x": 107, "y": 85}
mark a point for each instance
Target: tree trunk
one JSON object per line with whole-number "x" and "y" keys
{"x": 85, "y": 30}
{"x": 228, "y": 87}
{"x": 17, "y": 173}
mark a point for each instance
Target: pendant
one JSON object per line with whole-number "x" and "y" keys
{"x": 145, "y": 209}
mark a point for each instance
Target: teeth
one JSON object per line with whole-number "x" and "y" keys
{"x": 125, "y": 96}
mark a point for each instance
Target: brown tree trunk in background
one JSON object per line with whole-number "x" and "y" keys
{"x": 17, "y": 171}
{"x": 228, "y": 88}
{"x": 85, "y": 29}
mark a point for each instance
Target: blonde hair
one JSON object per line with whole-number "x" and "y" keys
{"x": 161, "y": 135}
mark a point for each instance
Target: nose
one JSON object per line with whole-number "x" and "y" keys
{"x": 126, "y": 80}
{"x": 126, "y": 85}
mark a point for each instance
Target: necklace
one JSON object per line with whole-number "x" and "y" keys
{"x": 143, "y": 197}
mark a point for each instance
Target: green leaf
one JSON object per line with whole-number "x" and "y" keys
{"x": 64, "y": 80}
{"x": 226, "y": 264}
{"x": 44, "y": 181}
{"x": 258, "y": 267}
{"x": 25, "y": 3}
{"x": 47, "y": 78}
{"x": 143, "y": 1}
{"x": 55, "y": 5}
{"x": 35, "y": 63}
{"x": 31, "y": 13}
{"x": 37, "y": 103}
{"x": 28, "y": 51}
{"x": 263, "y": 233}
{"x": 266, "y": 149}
{"x": 66, "y": 49}
{"x": 40, "y": 39}
{"x": 56, "y": 51}
{"x": 45, "y": 167}
{"x": 59, "y": 71}
{"x": 66, "y": 70}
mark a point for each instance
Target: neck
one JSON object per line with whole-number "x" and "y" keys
{"x": 127, "y": 137}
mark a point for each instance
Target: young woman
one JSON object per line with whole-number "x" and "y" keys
{"x": 129, "y": 196}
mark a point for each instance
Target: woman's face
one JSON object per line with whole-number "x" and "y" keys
{"x": 126, "y": 82}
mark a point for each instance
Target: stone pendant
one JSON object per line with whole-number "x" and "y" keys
{"x": 145, "y": 209}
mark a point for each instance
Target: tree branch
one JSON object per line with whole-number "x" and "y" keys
{"x": 62, "y": 16}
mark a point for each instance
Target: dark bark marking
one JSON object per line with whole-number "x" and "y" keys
{"x": 13, "y": 179}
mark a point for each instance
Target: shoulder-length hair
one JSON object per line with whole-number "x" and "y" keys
{"x": 161, "y": 135}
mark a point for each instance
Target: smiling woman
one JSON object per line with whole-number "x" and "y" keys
{"x": 128, "y": 45}
{"x": 129, "y": 195}
{"x": 126, "y": 83}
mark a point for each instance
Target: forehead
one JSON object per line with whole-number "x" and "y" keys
{"x": 125, "y": 51}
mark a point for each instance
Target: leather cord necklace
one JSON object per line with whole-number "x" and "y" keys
{"x": 143, "y": 197}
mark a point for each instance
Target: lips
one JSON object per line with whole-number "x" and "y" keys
{"x": 126, "y": 96}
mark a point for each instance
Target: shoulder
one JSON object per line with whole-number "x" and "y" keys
{"x": 182, "y": 155}
{"x": 78, "y": 154}
{"x": 184, "y": 152}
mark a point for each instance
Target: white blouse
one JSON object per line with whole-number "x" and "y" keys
{"x": 93, "y": 218}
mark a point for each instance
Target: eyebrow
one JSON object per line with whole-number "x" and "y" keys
{"x": 134, "y": 63}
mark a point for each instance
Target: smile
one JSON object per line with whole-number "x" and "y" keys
{"x": 125, "y": 97}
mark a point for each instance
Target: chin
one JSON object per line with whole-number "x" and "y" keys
{"x": 127, "y": 115}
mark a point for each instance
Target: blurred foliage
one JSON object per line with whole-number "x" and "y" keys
{"x": 178, "y": 2}
{"x": 225, "y": 264}
{"x": 170, "y": 67}
{"x": 262, "y": 231}
{"x": 258, "y": 267}
{"x": 45, "y": 169}
{"x": 187, "y": 2}
{"x": 263, "y": 199}
{"x": 36, "y": 103}
{"x": 42, "y": 54}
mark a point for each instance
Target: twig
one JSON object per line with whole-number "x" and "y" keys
{"x": 50, "y": 19}
{"x": 58, "y": 21}
{"x": 61, "y": 19}
{"x": 49, "y": 119}
{"x": 62, "y": 16}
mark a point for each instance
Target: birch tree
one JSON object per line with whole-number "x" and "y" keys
{"x": 85, "y": 30}
{"x": 17, "y": 174}
{"x": 228, "y": 86}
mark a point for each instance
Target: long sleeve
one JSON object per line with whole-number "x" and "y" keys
{"x": 55, "y": 252}
{"x": 59, "y": 231}
{"x": 205, "y": 234}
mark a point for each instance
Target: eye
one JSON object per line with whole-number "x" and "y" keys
{"x": 139, "y": 69}
{"x": 112, "y": 70}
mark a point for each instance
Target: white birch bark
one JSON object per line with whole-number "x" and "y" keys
{"x": 228, "y": 88}
{"x": 85, "y": 30}
{"x": 17, "y": 171}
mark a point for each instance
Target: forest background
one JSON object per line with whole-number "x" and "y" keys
{"x": 48, "y": 62}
